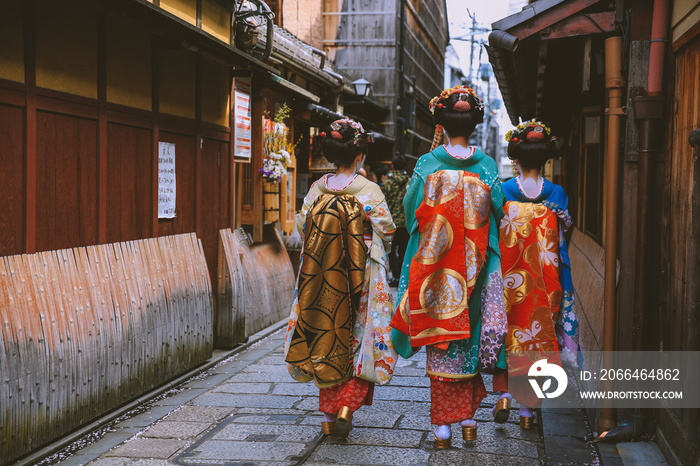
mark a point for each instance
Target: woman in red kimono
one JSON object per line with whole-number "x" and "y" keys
{"x": 536, "y": 270}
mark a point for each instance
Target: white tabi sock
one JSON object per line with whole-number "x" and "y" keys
{"x": 443, "y": 432}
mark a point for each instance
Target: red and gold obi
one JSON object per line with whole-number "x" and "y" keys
{"x": 529, "y": 243}
{"x": 454, "y": 223}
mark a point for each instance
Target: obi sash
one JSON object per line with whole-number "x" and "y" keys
{"x": 330, "y": 285}
{"x": 529, "y": 243}
{"x": 453, "y": 219}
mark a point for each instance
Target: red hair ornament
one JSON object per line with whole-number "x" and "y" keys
{"x": 462, "y": 106}
{"x": 535, "y": 135}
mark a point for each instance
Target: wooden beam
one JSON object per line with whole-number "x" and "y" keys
{"x": 30, "y": 167}
{"x": 257, "y": 122}
{"x": 233, "y": 182}
{"x": 549, "y": 17}
{"x": 581, "y": 25}
{"x": 155, "y": 135}
{"x": 198, "y": 141}
{"x": 101, "y": 130}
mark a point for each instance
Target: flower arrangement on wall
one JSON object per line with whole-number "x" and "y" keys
{"x": 278, "y": 148}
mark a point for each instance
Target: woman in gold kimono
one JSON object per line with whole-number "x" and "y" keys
{"x": 338, "y": 333}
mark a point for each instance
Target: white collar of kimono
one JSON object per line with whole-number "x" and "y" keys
{"x": 530, "y": 187}
{"x": 338, "y": 182}
{"x": 459, "y": 152}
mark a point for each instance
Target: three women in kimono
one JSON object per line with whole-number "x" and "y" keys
{"x": 338, "y": 334}
{"x": 468, "y": 292}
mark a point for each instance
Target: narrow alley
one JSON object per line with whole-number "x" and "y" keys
{"x": 246, "y": 410}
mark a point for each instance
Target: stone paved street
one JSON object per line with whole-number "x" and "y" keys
{"x": 248, "y": 411}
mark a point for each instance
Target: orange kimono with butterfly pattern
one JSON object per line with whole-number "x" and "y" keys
{"x": 529, "y": 240}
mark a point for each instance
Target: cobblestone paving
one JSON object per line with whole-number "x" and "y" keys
{"x": 248, "y": 411}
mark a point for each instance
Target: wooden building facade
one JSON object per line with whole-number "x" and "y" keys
{"x": 397, "y": 45}
{"x": 553, "y": 61}
{"x": 128, "y": 124}
{"x": 88, "y": 93}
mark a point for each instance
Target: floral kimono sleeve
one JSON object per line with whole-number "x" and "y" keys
{"x": 380, "y": 218}
{"x": 567, "y": 323}
{"x": 312, "y": 195}
{"x": 378, "y": 214}
{"x": 494, "y": 323}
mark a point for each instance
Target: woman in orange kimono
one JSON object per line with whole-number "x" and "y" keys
{"x": 451, "y": 291}
{"x": 536, "y": 270}
{"x": 338, "y": 333}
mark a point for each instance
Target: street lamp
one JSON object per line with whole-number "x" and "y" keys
{"x": 362, "y": 86}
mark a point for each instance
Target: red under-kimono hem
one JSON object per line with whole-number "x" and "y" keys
{"x": 452, "y": 402}
{"x": 352, "y": 393}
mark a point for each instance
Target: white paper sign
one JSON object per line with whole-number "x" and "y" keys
{"x": 242, "y": 107}
{"x": 166, "y": 180}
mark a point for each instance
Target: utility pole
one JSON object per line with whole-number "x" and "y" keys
{"x": 473, "y": 41}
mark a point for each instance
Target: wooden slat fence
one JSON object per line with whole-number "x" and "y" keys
{"x": 85, "y": 330}
{"x": 264, "y": 272}
{"x": 229, "y": 321}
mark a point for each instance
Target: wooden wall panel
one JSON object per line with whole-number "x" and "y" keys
{"x": 128, "y": 183}
{"x": 184, "y": 221}
{"x": 679, "y": 314}
{"x": 66, "y": 181}
{"x": 216, "y": 92}
{"x": 681, "y": 190}
{"x": 176, "y": 81}
{"x": 185, "y": 9}
{"x": 66, "y": 49}
{"x": 11, "y": 180}
{"x": 213, "y": 206}
{"x": 128, "y": 66}
{"x": 12, "y": 40}
{"x": 216, "y": 20}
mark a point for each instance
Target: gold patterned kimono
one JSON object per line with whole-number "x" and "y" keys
{"x": 342, "y": 306}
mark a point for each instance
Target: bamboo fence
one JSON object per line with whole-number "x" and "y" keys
{"x": 85, "y": 330}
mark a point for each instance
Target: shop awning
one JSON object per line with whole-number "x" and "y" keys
{"x": 290, "y": 86}
{"x": 519, "y": 47}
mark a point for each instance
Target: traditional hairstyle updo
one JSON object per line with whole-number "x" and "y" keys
{"x": 531, "y": 144}
{"x": 457, "y": 111}
{"x": 342, "y": 141}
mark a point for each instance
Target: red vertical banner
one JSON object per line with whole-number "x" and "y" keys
{"x": 242, "y": 109}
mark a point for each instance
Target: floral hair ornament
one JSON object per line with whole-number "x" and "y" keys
{"x": 356, "y": 125}
{"x": 536, "y": 134}
{"x": 462, "y": 104}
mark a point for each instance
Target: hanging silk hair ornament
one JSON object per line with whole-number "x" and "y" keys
{"x": 515, "y": 168}
{"x": 437, "y": 139}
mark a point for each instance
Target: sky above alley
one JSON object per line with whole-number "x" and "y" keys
{"x": 486, "y": 12}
